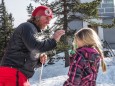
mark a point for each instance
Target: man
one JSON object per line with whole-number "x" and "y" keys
{"x": 23, "y": 52}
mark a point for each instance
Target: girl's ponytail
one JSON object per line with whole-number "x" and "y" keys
{"x": 103, "y": 65}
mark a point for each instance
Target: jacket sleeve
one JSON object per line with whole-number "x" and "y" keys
{"x": 75, "y": 72}
{"x": 30, "y": 38}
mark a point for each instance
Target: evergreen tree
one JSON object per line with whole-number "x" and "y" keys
{"x": 6, "y": 27}
{"x": 66, "y": 11}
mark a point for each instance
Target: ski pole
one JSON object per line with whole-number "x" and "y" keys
{"x": 41, "y": 73}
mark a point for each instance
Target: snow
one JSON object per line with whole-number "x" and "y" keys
{"x": 55, "y": 74}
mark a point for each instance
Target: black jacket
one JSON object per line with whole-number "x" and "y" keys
{"x": 24, "y": 48}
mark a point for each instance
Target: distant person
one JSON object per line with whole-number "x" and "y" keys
{"x": 24, "y": 50}
{"x": 85, "y": 63}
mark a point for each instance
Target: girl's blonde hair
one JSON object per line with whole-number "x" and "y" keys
{"x": 90, "y": 38}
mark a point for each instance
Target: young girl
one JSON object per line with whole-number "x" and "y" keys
{"x": 84, "y": 64}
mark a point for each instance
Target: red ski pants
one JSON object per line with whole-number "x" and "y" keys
{"x": 12, "y": 77}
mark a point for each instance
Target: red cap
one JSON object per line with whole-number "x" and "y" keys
{"x": 42, "y": 11}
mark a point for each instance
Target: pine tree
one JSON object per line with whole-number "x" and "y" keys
{"x": 66, "y": 11}
{"x": 6, "y": 27}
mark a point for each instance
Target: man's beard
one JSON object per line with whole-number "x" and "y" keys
{"x": 40, "y": 26}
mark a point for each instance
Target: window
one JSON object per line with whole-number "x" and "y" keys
{"x": 109, "y": 10}
{"x": 106, "y": 5}
{"x": 107, "y": 1}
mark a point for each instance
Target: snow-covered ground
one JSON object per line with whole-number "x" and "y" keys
{"x": 56, "y": 74}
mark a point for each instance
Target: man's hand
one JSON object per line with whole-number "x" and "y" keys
{"x": 57, "y": 35}
{"x": 43, "y": 58}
